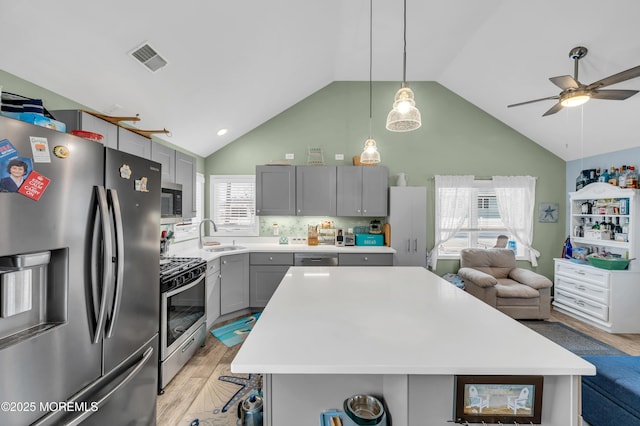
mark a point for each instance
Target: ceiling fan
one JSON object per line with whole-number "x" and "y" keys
{"x": 575, "y": 93}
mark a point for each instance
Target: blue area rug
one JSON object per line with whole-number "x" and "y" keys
{"x": 233, "y": 333}
{"x": 572, "y": 340}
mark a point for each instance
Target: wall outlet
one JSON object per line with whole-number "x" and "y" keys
{"x": 289, "y": 156}
{"x": 339, "y": 156}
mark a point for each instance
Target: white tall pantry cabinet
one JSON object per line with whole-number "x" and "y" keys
{"x": 408, "y": 220}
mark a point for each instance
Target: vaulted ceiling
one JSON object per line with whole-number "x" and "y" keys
{"x": 237, "y": 64}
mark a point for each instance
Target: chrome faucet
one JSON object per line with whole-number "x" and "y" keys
{"x": 215, "y": 229}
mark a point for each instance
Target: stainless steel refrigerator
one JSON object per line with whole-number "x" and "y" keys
{"x": 79, "y": 285}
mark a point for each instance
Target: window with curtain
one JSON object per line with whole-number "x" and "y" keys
{"x": 474, "y": 213}
{"x": 233, "y": 205}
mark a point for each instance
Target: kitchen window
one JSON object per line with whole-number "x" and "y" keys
{"x": 233, "y": 205}
{"x": 473, "y": 213}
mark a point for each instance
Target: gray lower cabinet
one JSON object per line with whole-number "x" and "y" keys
{"x": 186, "y": 176}
{"x": 276, "y": 190}
{"x": 316, "y": 190}
{"x": 266, "y": 272}
{"x": 213, "y": 291}
{"x": 365, "y": 259}
{"x": 234, "y": 283}
{"x": 362, "y": 190}
{"x": 76, "y": 119}
{"x": 133, "y": 143}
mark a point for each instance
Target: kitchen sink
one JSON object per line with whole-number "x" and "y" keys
{"x": 217, "y": 249}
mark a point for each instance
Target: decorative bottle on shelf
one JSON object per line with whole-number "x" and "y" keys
{"x": 604, "y": 176}
{"x": 567, "y": 251}
{"x": 632, "y": 178}
{"x": 581, "y": 181}
{"x": 613, "y": 176}
{"x": 596, "y": 225}
{"x": 622, "y": 177}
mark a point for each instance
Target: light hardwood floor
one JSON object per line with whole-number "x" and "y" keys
{"x": 180, "y": 393}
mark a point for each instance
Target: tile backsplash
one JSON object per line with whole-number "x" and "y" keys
{"x": 297, "y": 226}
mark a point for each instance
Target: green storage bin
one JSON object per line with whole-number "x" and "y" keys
{"x": 611, "y": 263}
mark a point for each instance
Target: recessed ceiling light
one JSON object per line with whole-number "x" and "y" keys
{"x": 222, "y": 132}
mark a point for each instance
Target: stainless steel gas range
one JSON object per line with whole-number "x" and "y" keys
{"x": 182, "y": 313}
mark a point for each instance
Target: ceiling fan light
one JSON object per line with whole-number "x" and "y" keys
{"x": 370, "y": 155}
{"x": 574, "y": 99}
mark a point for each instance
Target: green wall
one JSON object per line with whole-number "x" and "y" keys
{"x": 455, "y": 138}
{"x": 52, "y": 101}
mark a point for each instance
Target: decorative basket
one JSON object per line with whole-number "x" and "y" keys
{"x": 611, "y": 263}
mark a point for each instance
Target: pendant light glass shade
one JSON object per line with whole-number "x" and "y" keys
{"x": 370, "y": 155}
{"x": 404, "y": 116}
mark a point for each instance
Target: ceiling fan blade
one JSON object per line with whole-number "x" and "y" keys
{"x": 616, "y": 78}
{"x": 557, "y": 107}
{"x": 615, "y": 95}
{"x": 565, "y": 82}
{"x": 532, "y": 101}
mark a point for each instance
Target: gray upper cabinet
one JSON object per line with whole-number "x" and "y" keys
{"x": 186, "y": 176}
{"x": 276, "y": 190}
{"x": 133, "y": 143}
{"x": 362, "y": 190}
{"x": 167, "y": 157}
{"x": 79, "y": 120}
{"x": 316, "y": 190}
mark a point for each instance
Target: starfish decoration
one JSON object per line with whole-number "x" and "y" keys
{"x": 549, "y": 212}
{"x": 246, "y": 385}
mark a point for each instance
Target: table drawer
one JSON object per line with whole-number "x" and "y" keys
{"x": 268, "y": 258}
{"x": 593, "y": 275}
{"x": 365, "y": 259}
{"x": 583, "y": 288}
{"x": 582, "y": 304}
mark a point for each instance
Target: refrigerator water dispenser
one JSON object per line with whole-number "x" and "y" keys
{"x": 15, "y": 292}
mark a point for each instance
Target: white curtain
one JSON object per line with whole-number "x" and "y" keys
{"x": 516, "y": 196}
{"x": 452, "y": 198}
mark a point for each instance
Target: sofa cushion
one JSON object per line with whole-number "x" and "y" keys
{"x": 507, "y": 287}
{"x": 496, "y": 262}
{"x": 618, "y": 378}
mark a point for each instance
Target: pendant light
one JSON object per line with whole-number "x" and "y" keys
{"x": 370, "y": 155}
{"x": 404, "y": 116}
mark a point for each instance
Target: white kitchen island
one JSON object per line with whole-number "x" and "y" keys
{"x": 400, "y": 333}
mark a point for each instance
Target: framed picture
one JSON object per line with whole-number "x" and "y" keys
{"x": 498, "y": 399}
{"x": 548, "y": 212}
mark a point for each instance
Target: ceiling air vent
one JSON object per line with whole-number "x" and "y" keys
{"x": 148, "y": 57}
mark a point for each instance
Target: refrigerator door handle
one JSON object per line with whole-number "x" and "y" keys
{"x": 119, "y": 258}
{"x": 107, "y": 259}
{"x": 86, "y": 414}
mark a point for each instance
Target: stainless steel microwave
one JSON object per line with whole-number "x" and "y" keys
{"x": 171, "y": 202}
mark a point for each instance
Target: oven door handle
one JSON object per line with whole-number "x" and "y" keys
{"x": 185, "y": 287}
{"x": 119, "y": 258}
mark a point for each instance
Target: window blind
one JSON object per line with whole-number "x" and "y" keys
{"x": 233, "y": 203}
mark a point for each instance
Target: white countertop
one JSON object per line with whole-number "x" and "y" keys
{"x": 391, "y": 320}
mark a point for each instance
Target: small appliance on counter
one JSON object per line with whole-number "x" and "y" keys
{"x": 312, "y": 235}
{"x": 349, "y": 238}
{"x": 339, "y": 237}
{"x": 375, "y": 227}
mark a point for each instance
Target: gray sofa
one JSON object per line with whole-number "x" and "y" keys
{"x": 491, "y": 275}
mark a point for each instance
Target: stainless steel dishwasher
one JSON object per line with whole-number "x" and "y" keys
{"x": 315, "y": 259}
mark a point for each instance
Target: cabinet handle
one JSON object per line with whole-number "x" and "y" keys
{"x": 366, "y": 259}
{"x": 358, "y": 211}
{"x": 258, "y": 210}
{"x": 416, "y": 245}
{"x": 409, "y": 245}
{"x": 224, "y": 262}
{"x": 365, "y": 211}
{"x": 270, "y": 257}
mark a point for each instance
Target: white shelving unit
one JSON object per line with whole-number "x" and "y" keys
{"x": 603, "y": 298}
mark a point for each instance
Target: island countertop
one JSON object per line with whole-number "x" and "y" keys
{"x": 392, "y": 320}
